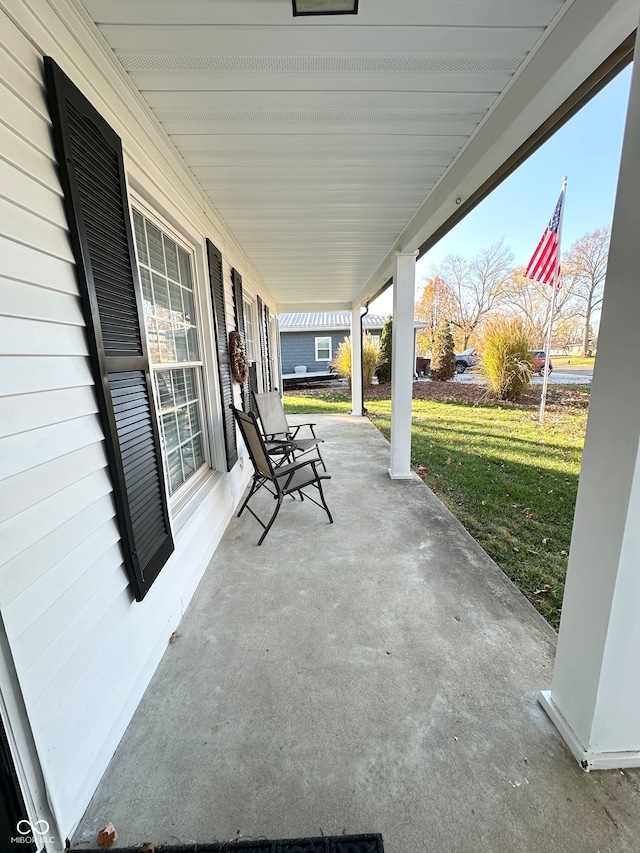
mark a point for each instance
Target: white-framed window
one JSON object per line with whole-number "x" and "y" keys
{"x": 249, "y": 333}
{"x": 375, "y": 339}
{"x": 323, "y": 349}
{"x": 166, "y": 274}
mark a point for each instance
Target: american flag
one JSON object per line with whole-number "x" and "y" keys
{"x": 543, "y": 263}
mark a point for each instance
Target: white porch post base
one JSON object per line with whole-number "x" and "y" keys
{"x": 401, "y": 476}
{"x": 586, "y": 758}
{"x": 402, "y": 364}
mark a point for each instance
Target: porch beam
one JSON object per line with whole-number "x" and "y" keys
{"x": 402, "y": 364}
{"x": 357, "y": 397}
{"x": 595, "y": 693}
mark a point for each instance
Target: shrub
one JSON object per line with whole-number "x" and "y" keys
{"x": 443, "y": 358}
{"x": 506, "y": 360}
{"x": 384, "y": 364}
{"x": 341, "y": 364}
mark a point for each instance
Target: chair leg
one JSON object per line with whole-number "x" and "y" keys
{"x": 271, "y": 520}
{"x": 254, "y": 488}
{"x": 324, "y": 503}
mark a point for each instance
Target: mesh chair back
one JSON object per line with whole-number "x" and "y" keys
{"x": 255, "y": 444}
{"x": 271, "y": 412}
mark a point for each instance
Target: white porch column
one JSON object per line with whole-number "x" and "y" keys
{"x": 595, "y": 694}
{"x": 402, "y": 364}
{"x": 356, "y": 363}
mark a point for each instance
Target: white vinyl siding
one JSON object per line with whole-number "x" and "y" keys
{"x": 83, "y": 649}
{"x": 55, "y": 490}
{"x": 323, "y": 349}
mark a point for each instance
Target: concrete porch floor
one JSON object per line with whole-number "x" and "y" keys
{"x": 375, "y": 675}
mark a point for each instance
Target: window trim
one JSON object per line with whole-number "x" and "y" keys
{"x": 187, "y": 490}
{"x": 324, "y": 338}
{"x": 249, "y": 318}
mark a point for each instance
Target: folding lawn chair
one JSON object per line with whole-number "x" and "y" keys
{"x": 287, "y": 479}
{"x": 275, "y": 426}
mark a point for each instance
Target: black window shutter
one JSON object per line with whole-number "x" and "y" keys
{"x": 238, "y": 312}
{"x": 89, "y": 155}
{"x": 214, "y": 256}
{"x": 263, "y": 344}
{"x": 267, "y": 338}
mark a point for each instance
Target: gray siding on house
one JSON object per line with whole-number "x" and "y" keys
{"x": 299, "y": 348}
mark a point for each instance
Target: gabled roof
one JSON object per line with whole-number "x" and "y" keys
{"x": 325, "y": 321}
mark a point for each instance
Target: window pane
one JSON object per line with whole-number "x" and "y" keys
{"x": 163, "y": 385}
{"x": 248, "y": 330}
{"x": 188, "y": 460}
{"x": 171, "y": 324}
{"x": 323, "y": 349}
{"x": 174, "y": 467}
{"x": 184, "y": 425}
{"x": 197, "y": 450}
{"x": 190, "y": 384}
{"x": 147, "y": 292}
{"x": 185, "y": 267}
{"x": 182, "y": 347}
{"x": 170, "y": 430}
{"x": 187, "y": 300}
{"x": 154, "y": 242}
{"x": 181, "y": 423}
{"x": 171, "y": 257}
{"x": 179, "y": 387}
{"x": 141, "y": 243}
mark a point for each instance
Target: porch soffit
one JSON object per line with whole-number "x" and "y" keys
{"x": 327, "y": 143}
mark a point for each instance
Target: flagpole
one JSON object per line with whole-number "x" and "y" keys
{"x": 545, "y": 380}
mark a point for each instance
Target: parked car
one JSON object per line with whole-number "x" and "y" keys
{"x": 468, "y": 358}
{"x": 539, "y": 358}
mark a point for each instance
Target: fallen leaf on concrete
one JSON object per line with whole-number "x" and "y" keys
{"x": 107, "y": 836}
{"x": 148, "y": 847}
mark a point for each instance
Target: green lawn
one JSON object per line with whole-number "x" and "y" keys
{"x": 510, "y": 481}
{"x": 573, "y": 360}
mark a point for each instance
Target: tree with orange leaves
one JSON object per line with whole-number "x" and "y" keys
{"x": 436, "y": 303}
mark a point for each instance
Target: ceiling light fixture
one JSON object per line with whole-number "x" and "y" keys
{"x": 324, "y": 7}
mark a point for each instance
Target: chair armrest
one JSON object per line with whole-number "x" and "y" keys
{"x": 283, "y": 470}
{"x": 293, "y": 431}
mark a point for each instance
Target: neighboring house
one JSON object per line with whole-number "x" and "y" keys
{"x": 575, "y": 348}
{"x": 312, "y": 340}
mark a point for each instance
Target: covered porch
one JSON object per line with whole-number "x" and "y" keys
{"x": 379, "y": 674}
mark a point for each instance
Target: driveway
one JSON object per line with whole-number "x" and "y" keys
{"x": 575, "y": 376}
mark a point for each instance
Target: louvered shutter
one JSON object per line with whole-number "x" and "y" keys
{"x": 238, "y": 313}
{"x": 89, "y": 154}
{"x": 216, "y": 279}
{"x": 263, "y": 345}
{"x": 268, "y": 345}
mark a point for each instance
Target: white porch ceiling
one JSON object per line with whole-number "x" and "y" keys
{"x": 327, "y": 143}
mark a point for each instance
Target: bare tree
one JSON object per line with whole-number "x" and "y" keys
{"x": 585, "y": 268}
{"x": 479, "y": 286}
{"x": 531, "y": 300}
